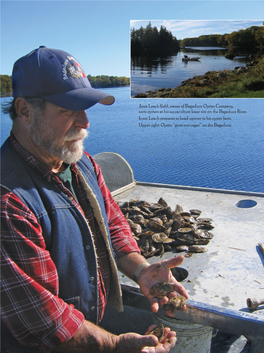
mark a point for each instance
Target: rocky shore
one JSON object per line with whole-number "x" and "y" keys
{"x": 204, "y": 85}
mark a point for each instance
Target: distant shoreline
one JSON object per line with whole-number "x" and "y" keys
{"x": 9, "y": 94}
{"x": 4, "y": 95}
{"x": 97, "y": 82}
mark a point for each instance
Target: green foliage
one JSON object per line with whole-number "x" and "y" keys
{"x": 151, "y": 41}
{"x": 248, "y": 84}
{"x": 244, "y": 38}
{"x": 212, "y": 40}
{"x": 104, "y": 81}
{"x": 6, "y": 85}
{"x": 96, "y": 82}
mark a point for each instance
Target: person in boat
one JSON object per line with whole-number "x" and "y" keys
{"x": 63, "y": 235}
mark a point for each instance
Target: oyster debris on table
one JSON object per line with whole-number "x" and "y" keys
{"x": 158, "y": 331}
{"x": 174, "y": 304}
{"x": 197, "y": 249}
{"x": 158, "y": 228}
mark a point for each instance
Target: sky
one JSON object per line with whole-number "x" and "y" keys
{"x": 195, "y": 28}
{"x": 97, "y": 33}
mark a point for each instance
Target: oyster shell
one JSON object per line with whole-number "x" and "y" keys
{"x": 162, "y": 202}
{"x": 158, "y": 331}
{"x": 197, "y": 249}
{"x": 159, "y": 237}
{"x": 161, "y": 289}
{"x": 174, "y": 304}
{"x": 195, "y": 212}
{"x": 156, "y": 224}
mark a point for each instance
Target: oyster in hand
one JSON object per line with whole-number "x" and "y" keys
{"x": 161, "y": 289}
{"x": 158, "y": 331}
{"x": 174, "y": 304}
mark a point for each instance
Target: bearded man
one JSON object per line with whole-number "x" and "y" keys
{"x": 64, "y": 237}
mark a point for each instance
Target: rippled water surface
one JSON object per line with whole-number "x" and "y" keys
{"x": 225, "y": 158}
{"x": 149, "y": 73}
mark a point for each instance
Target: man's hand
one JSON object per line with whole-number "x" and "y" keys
{"x": 92, "y": 338}
{"x": 151, "y": 275}
{"x": 134, "y": 343}
{"x": 160, "y": 272}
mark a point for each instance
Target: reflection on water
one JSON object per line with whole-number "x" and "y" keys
{"x": 150, "y": 73}
{"x": 151, "y": 65}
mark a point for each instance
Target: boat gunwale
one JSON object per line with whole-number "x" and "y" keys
{"x": 187, "y": 187}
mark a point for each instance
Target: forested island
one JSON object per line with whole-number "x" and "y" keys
{"x": 100, "y": 81}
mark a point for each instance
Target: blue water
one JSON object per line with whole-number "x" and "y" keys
{"x": 224, "y": 158}
{"x": 151, "y": 74}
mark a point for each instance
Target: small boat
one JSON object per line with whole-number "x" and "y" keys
{"x": 187, "y": 58}
{"x": 229, "y": 56}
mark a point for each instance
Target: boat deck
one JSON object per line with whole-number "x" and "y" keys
{"x": 220, "y": 280}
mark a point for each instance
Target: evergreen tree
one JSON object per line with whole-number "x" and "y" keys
{"x": 151, "y": 41}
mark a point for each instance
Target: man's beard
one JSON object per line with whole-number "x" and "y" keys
{"x": 67, "y": 151}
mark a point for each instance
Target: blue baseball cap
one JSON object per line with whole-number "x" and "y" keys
{"x": 57, "y": 77}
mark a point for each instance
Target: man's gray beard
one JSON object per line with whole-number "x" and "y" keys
{"x": 49, "y": 143}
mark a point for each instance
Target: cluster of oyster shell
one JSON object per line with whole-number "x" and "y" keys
{"x": 159, "y": 290}
{"x": 157, "y": 228}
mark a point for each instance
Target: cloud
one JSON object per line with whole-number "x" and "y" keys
{"x": 196, "y": 28}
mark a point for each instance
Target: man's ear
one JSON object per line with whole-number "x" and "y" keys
{"x": 23, "y": 110}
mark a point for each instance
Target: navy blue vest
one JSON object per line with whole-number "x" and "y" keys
{"x": 65, "y": 230}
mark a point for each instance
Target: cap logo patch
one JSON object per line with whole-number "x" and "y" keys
{"x": 72, "y": 68}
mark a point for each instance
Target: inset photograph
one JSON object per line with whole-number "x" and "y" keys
{"x": 197, "y": 59}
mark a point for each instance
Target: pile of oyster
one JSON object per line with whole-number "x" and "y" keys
{"x": 157, "y": 228}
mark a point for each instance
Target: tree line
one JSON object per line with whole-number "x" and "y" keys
{"x": 6, "y": 85}
{"x": 102, "y": 81}
{"x": 248, "y": 38}
{"x": 151, "y": 41}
